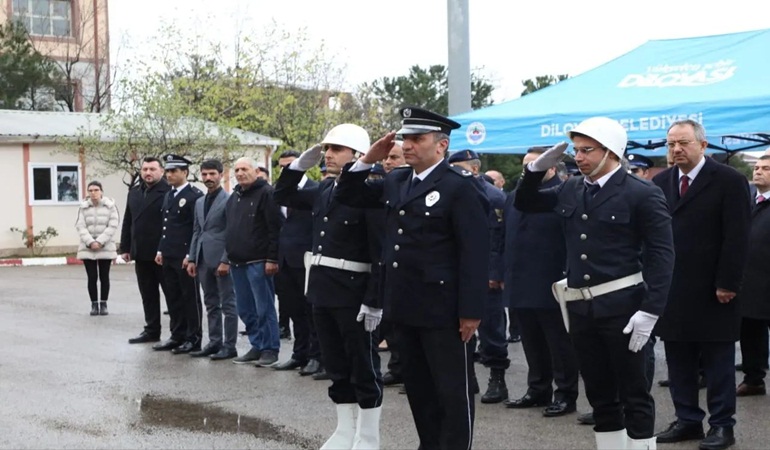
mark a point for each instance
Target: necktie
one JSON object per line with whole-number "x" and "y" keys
{"x": 685, "y": 185}
{"x": 591, "y": 191}
{"x": 169, "y": 198}
{"x": 760, "y": 199}
{"x": 415, "y": 181}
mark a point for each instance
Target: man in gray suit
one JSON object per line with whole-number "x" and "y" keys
{"x": 207, "y": 254}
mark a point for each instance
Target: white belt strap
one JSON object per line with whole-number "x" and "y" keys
{"x": 563, "y": 294}
{"x": 336, "y": 263}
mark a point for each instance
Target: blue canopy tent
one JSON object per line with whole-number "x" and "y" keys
{"x": 721, "y": 81}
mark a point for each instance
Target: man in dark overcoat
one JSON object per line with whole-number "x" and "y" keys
{"x": 709, "y": 205}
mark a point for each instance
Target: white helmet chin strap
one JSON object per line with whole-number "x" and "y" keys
{"x": 600, "y": 166}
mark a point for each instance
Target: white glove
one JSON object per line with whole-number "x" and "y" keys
{"x": 548, "y": 159}
{"x": 308, "y": 159}
{"x": 640, "y": 326}
{"x": 370, "y": 316}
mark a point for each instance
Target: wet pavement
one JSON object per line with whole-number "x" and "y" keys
{"x": 69, "y": 380}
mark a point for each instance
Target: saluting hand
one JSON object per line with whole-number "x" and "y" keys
{"x": 549, "y": 158}
{"x": 468, "y": 328}
{"x": 380, "y": 149}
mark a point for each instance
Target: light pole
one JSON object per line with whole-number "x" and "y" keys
{"x": 459, "y": 66}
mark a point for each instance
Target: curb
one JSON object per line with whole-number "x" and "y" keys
{"x": 42, "y": 261}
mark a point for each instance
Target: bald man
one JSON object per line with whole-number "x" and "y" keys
{"x": 498, "y": 177}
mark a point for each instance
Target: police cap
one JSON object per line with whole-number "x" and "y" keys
{"x": 639, "y": 161}
{"x": 462, "y": 155}
{"x": 176, "y": 162}
{"x": 420, "y": 121}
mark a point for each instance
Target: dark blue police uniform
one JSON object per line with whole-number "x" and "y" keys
{"x": 435, "y": 272}
{"x": 184, "y": 303}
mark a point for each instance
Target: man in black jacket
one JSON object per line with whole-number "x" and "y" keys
{"x": 142, "y": 226}
{"x": 251, "y": 242}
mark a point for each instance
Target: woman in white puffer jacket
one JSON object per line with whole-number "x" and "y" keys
{"x": 97, "y": 225}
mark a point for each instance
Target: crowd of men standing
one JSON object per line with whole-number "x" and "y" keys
{"x": 427, "y": 252}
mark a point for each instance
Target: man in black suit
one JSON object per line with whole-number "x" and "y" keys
{"x": 342, "y": 285}
{"x": 619, "y": 262}
{"x": 142, "y": 226}
{"x": 710, "y": 207}
{"x": 435, "y": 270}
{"x": 182, "y": 293}
{"x": 535, "y": 255}
{"x": 295, "y": 239}
{"x": 755, "y": 297}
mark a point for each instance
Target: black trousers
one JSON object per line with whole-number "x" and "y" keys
{"x": 350, "y": 357}
{"x": 388, "y": 332}
{"x": 149, "y": 277}
{"x": 290, "y": 289}
{"x": 493, "y": 345}
{"x": 98, "y": 270}
{"x": 614, "y": 377}
{"x": 754, "y": 350}
{"x": 718, "y": 362}
{"x": 184, "y": 302}
{"x": 549, "y": 353}
{"x": 437, "y": 373}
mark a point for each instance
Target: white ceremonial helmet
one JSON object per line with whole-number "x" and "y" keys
{"x": 348, "y": 135}
{"x": 608, "y": 132}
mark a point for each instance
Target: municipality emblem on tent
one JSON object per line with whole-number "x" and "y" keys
{"x": 475, "y": 133}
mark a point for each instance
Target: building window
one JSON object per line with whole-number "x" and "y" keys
{"x": 44, "y": 17}
{"x": 54, "y": 184}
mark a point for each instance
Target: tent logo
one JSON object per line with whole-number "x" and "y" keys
{"x": 475, "y": 133}
{"x": 681, "y": 75}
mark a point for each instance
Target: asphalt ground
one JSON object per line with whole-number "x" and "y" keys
{"x": 70, "y": 380}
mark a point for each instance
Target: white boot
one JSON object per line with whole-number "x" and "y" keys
{"x": 368, "y": 429}
{"x": 611, "y": 440}
{"x": 642, "y": 444}
{"x": 342, "y": 439}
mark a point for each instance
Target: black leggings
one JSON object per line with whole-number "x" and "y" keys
{"x": 98, "y": 269}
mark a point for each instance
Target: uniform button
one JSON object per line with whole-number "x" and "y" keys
{"x": 320, "y": 247}
{"x": 441, "y": 282}
{"x": 164, "y": 236}
{"x": 584, "y": 217}
{"x": 427, "y": 213}
{"x": 613, "y": 217}
{"x": 586, "y": 277}
{"x": 323, "y": 233}
{"x": 346, "y": 222}
{"x": 166, "y": 219}
{"x": 326, "y": 219}
{"x": 583, "y": 237}
{"x": 395, "y": 265}
{"x": 583, "y": 257}
{"x": 396, "y": 248}
{"x": 400, "y": 231}
{"x": 164, "y": 228}
{"x": 387, "y": 202}
{"x": 401, "y": 213}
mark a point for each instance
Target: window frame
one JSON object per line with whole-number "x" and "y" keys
{"x": 28, "y": 16}
{"x": 53, "y": 169}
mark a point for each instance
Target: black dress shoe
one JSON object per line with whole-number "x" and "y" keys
{"x": 321, "y": 375}
{"x": 718, "y": 438}
{"x": 679, "y": 432}
{"x": 285, "y": 333}
{"x": 167, "y": 345}
{"x": 291, "y": 364}
{"x": 514, "y": 338}
{"x": 187, "y": 347}
{"x": 527, "y": 401}
{"x": 143, "y": 337}
{"x": 207, "y": 351}
{"x": 224, "y": 354}
{"x": 586, "y": 419}
{"x": 559, "y": 408}
{"x": 313, "y": 366}
{"x": 391, "y": 380}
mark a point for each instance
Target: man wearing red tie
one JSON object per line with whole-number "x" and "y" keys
{"x": 709, "y": 205}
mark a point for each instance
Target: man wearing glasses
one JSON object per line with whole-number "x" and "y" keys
{"x": 619, "y": 263}
{"x": 710, "y": 208}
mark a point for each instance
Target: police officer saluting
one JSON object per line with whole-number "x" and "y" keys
{"x": 619, "y": 263}
{"x": 184, "y": 305}
{"x": 435, "y": 257}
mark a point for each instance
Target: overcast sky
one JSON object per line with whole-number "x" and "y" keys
{"x": 509, "y": 40}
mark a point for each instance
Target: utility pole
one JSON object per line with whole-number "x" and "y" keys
{"x": 459, "y": 65}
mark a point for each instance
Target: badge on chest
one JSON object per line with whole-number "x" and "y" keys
{"x": 432, "y": 198}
